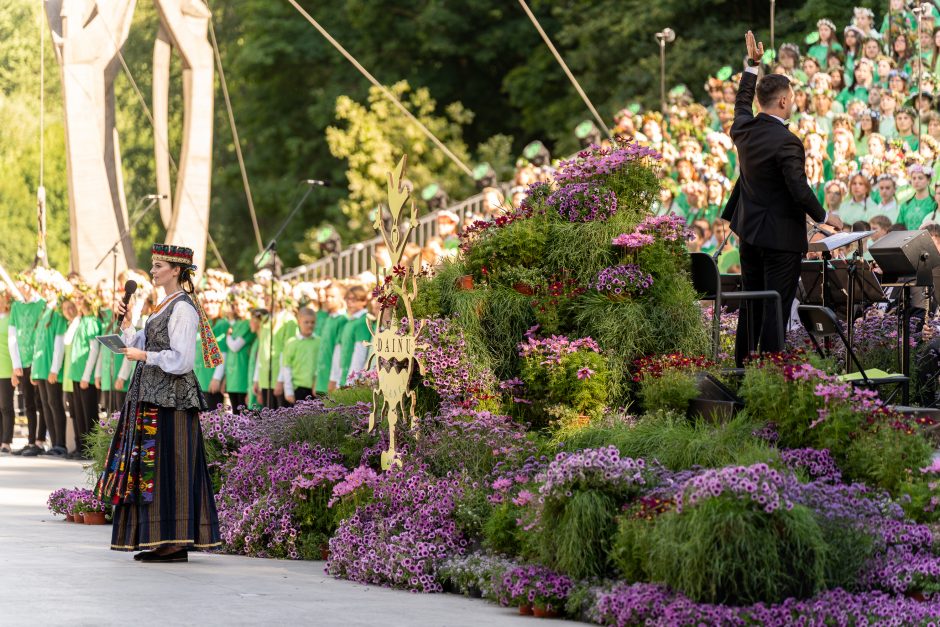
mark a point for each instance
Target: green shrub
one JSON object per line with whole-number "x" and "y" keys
{"x": 501, "y": 532}
{"x": 575, "y": 533}
{"x": 923, "y": 502}
{"x": 679, "y": 443}
{"x": 886, "y": 457}
{"x": 672, "y": 390}
{"x": 351, "y": 395}
{"x": 627, "y": 552}
{"x": 339, "y": 430}
{"x": 724, "y": 550}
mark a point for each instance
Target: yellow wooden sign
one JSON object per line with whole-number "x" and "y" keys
{"x": 393, "y": 347}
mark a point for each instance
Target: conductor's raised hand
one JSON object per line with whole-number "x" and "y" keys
{"x": 755, "y": 50}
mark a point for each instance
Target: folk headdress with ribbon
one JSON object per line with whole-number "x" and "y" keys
{"x": 211, "y": 354}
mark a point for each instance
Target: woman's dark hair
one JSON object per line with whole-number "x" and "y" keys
{"x": 770, "y": 87}
{"x": 186, "y": 277}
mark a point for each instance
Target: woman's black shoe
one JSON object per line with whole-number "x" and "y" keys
{"x": 151, "y": 556}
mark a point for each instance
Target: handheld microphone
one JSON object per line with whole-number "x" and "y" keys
{"x": 130, "y": 286}
{"x": 317, "y": 182}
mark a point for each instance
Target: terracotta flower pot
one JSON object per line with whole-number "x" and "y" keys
{"x": 544, "y": 612}
{"x": 525, "y": 610}
{"x": 94, "y": 518}
{"x": 69, "y": 518}
{"x": 324, "y": 553}
{"x": 523, "y": 288}
{"x": 78, "y": 517}
{"x": 916, "y": 595}
{"x": 465, "y": 282}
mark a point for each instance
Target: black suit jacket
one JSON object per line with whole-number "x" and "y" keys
{"x": 771, "y": 199}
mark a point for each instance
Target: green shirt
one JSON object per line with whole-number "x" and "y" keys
{"x": 354, "y": 332}
{"x": 203, "y": 374}
{"x": 25, "y": 317}
{"x": 322, "y": 317}
{"x": 88, "y": 329}
{"x": 51, "y": 325}
{"x": 300, "y": 355}
{"x": 914, "y": 211}
{"x": 6, "y": 364}
{"x": 284, "y": 328}
{"x": 328, "y": 341}
{"x": 238, "y": 363}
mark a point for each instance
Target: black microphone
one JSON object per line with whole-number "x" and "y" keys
{"x": 130, "y": 286}
{"x": 317, "y": 182}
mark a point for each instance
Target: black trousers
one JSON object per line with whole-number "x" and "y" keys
{"x": 270, "y": 400}
{"x": 113, "y": 400}
{"x": 301, "y": 394}
{"x": 85, "y": 404}
{"x": 7, "y": 414}
{"x": 213, "y": 400}
{"x": 50, "y": 395}
{"x": 32, "y": 408}
{"x": 238, "y": 399}
{"x": 764, "y": 269}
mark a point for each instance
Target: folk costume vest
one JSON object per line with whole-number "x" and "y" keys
{"x": 160, "y": 388}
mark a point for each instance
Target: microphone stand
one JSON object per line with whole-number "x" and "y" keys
{"x": 113, "y": 253}
{"x": 272, "y": 248}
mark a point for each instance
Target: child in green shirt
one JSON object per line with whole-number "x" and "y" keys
{"x": 330, "y": 336}
{"x": 299, "y": 361}
{"x": 240, "y": 339}
{"x": 355, "y": 337}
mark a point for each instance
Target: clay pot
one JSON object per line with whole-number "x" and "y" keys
{"x": 523, "y": 288}
{"x": 525, "y": 610}
{"x": 916, "y": 595}
{"x": 69, "y": 518}
{"x": 465, "y": 282}
{"x": 324, "y": 553}
{"x": 544, "y": 612}
{"x": 94, "y": 518}
{"x": 78, "y": 517}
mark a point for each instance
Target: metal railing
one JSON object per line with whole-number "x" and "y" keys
{"x": 357, "y": 258}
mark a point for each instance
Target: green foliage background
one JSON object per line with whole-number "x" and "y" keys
{"x": 490, "y": 84}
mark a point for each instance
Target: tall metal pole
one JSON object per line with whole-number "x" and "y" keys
{"x": 662, "y": 75}
{"x": 666, "y": 35}
{"x": 773, "y": 4}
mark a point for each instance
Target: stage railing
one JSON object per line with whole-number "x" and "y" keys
{"x": 357, "y": 258}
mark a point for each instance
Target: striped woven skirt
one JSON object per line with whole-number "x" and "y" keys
{"x": 182, "y": 511}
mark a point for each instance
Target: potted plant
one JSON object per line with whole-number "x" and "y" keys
{"x": 96, "y": 512}
{"x": 58, "y": 503}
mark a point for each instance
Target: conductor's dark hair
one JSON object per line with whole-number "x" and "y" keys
{"x": 770, "y": 87}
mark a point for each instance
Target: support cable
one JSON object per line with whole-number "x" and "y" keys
{"x": 564, "y": 66}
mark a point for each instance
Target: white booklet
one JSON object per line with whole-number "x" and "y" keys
{"x": 113, "y": 343}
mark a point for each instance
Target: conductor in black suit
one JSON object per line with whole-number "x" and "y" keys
{"x": 770, "y": 202}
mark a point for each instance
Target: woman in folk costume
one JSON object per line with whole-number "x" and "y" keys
{"x": 155, "y": 473}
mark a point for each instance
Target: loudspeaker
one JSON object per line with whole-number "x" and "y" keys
{"x": 906, "y": 254}
{"x": 716, "y": 402}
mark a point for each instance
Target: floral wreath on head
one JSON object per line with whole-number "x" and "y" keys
{"x": 826, "y": 22}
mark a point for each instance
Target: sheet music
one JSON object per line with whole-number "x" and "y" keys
{"x": 839, "y": 240}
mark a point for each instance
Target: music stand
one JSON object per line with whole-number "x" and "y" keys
{"x": 829, "y": 244}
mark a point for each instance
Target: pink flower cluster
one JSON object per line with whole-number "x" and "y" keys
{"x": 759, "y": 483}
{"x": 633, "y": 240}
{"x": 550, "y": 351}
{"x": 598, "y": 468}
{"x": 596, "y": 161}
{"x": 669, "y": 227}
{"x": 67, "y": 501}
{"x": 361, "y": 476}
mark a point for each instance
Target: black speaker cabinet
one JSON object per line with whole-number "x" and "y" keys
{"x": 905, "y": 254}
